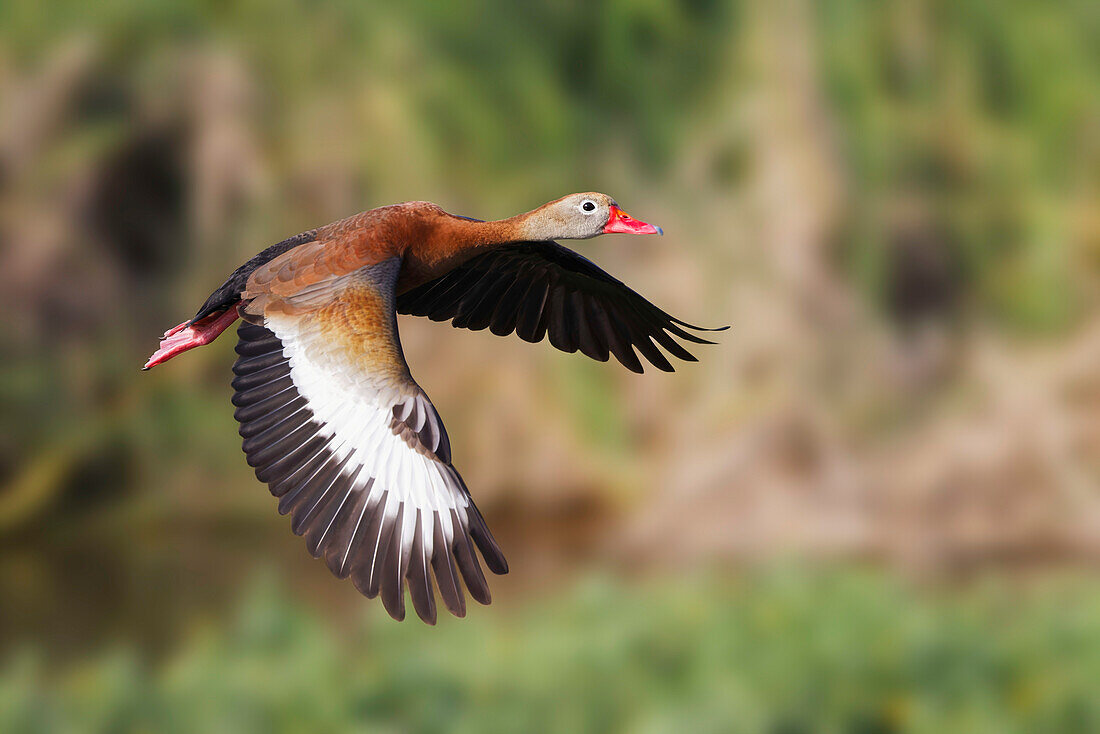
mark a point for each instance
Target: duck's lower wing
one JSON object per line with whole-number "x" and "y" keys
{"x": 540, "y": 289}
{"x": 335, "y": 425}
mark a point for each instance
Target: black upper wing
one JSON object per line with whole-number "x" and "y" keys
{"x": 541, "y": 288}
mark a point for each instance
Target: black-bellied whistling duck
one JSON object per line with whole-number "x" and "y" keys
{"x": 333, "y": 421}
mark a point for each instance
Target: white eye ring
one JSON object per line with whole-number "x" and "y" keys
{"x": 588, "y": 206}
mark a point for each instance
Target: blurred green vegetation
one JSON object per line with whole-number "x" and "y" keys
{"x": 492, "y": 93}
{"x": 966, "y": 137}
{"x": 776, "y": 652}
{"x": 985, "y": 119}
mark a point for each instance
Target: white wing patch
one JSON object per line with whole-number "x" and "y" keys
{"x": 355, "y": 417}
{"x": 360, "y": 460}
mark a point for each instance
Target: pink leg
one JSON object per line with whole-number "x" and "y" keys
{"x": 183, "y": 337}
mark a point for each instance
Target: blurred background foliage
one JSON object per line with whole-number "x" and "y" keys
{"x": 884, "y": 480}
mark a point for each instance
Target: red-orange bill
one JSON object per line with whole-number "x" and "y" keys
{"x": 622, "y": 222}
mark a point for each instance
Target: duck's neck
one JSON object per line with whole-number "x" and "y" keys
{"x": 468, "y": 234}
{"x": 446, "y": 247}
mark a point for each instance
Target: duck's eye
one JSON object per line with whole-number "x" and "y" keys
{"x": 589, "y": 206}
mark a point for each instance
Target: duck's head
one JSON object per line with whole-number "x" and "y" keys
{"x": 580, "y": 216}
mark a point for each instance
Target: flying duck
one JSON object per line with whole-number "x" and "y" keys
{"x": 331, "y": 418}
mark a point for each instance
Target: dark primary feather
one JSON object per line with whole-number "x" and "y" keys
{"x": 540, "y": 289}
{"x": 416, "y": 421}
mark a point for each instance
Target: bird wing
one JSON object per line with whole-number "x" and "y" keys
{"x": 541, "y": 288}
{"x": 335, "y": 249}
{"x": 229, "y": 293}
{"x": 355, "y": 451}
